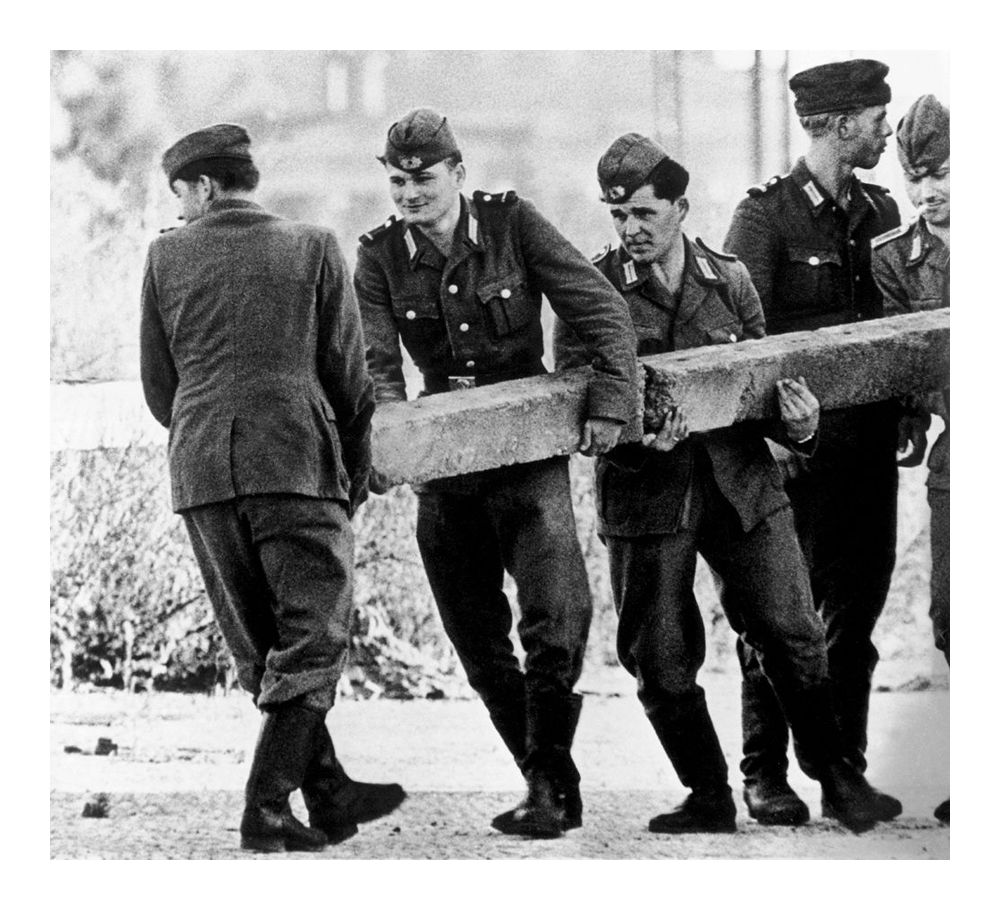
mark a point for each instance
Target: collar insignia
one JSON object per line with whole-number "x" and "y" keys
{"x": 917, "y": 247}
{"x": 815, "y": 196}
{"x": 705, "y": 267}
{"x": 411, "y": 244}
{"x": 631, "y": 276}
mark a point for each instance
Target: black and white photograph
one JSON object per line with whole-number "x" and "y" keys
{"x": 533, "y": 454}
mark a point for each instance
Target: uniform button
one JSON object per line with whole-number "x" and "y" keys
{"x": 487, "y": 197}
{"x": 470, "y": 363}
{"x": 505, "y": 293}
{"x": 389, "y": 223}
{"x": 452, "y": 288}
{"x": 857, "y": 277}
{"x": 814, "y": 260}
{"x": 852, "y": 242}
{"x": 464, "y": 327}
{"x": 732, "y": 337}
{"x": 411, "y": 314}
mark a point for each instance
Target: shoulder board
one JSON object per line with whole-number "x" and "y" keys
{"x": 377, "y": 232}
{"x": 728, "y": 257}
{"x": 883, "y": 239}
{"x": 875, "y": 188}
{"x": 504, "y": 198}
{"x": 598, "y": 256}
{"x": 761, "y": 188}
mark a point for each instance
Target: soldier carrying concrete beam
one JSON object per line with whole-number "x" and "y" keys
{"x": 459, "y": 282}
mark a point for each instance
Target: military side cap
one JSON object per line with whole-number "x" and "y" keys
{"x": 420, "y": 140}
{"x": 840, "y": 86}
{"x": 628, "y": 163}
{"x": 223, "y": 140}
{"x": 923, "y": 137}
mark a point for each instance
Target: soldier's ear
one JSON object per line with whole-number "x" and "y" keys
{"x": 844, "y": 126}
{"x": 683, "y": 207}
{"x": 459, "y": 173}
{"x": 206, "y": 187}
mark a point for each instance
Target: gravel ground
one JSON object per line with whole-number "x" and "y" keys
{"x": 174, "y": 786}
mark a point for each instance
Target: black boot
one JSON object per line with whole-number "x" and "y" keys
{"x": 943, "y": 812}
{"x": 568, "y": 785}
{"x": 771, "y": 801}
{"x": 687, "y": 735}
{"x": 284, "y": 749}
{"x": 549, "y": 771}
{"x": 847, "y": 796}
{"x": 336, "y": 803}
{"x": 509, "y": 717}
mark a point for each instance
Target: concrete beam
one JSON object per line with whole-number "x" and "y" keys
{"x": 530, "y": 419}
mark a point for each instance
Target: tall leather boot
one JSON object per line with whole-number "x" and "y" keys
{"x": 569, "y": 785}
{"x": 847, "y": 796}
{"x": 687, "y": 735}
{"x": 548, "y": 768}
{"x": 768, "y": 797}
{"x": 509, "y": 716}
{"x": 284, "y": 749}
{"x": 336, "y": 803}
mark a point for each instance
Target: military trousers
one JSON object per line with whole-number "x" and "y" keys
{"x": 940, "y": 612}
{"x": 278, "y": 570}
{"x": 661, "y": 634}
{"x": 845, "y": 515}
{"x": 519, "y": 519}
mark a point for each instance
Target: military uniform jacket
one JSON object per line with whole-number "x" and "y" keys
{"x": 252, "y": 355}
{"x": 477, "y": 313}
{"x": 640, "y": 491}
{"x": 913, "y": 269}
{"x": 810, "y": 262}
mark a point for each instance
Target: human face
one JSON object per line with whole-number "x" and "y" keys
{"x": 426, "y": 198}
{"x": 931, "y": 194}
{"x": 649, "y": 228}
{"x": 194, "y": 197}
{"x": 868, "y": 131}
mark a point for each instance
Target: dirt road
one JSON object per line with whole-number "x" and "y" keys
{"x": 174, "y": 786}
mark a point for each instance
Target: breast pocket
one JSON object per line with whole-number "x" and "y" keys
{"x": 413, "y": 309}
{"x": 717, "y": 323}
{"x": 507, "y": 305}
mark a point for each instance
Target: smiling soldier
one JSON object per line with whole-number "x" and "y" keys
{"x": 806, "y": 241}
{"x": 665, "y": 500}
{"x": 459, "y": 282}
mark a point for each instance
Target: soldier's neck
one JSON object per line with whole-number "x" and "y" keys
{"x": 831, "y": 172}
{"x": 941, "y": 231}
{"x": 442, "y": 232}
{"x": 669, "y": 270}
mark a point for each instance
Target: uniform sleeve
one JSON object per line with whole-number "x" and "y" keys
{"x": 748, "y": 306}
{"x": 894, "y": 295}
{"x": 341, "y": 364}
{"x": 752, "y": 239}
{"x": 385, "y": 358}
{"x": 598, "y": 315}
{"x": 567, "y": 348}
{"x": 156, "y": 363}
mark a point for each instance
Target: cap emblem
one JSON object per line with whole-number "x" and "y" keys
{"x": 413, "y": 163}
{"x": 616, "y": 192}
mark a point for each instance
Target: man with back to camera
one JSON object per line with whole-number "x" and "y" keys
{"x": 663, "y": 501}
{"x": 459, "y": 282}
{"x": 251, "y": 355}
{"x": 912, "y": 265}
{"x": 806, "y": 241}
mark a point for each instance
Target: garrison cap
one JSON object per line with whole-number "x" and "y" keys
{"x": 923, "y": 137}
{"x": 222, "y": 140}
{"x": 627, "y": 164}
{"x": 840, "y": 86}
{"x": 420, "y": 140}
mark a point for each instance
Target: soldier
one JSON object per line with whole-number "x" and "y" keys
{"x": 459, "y": 282}
{"x": 806, "y": 240}
{"x": 912, "y": 267}
{"x": 252, "y": 356}
{"x": 663, "y": 501}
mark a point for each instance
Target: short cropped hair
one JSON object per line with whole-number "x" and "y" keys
{"x": 819, "y": 125}
{"x": 229, "y": 173}
{"x": 668, "y": 179}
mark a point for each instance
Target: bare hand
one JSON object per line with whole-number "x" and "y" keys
{"x": 378, "y": 483}
{"x": 799, "y": 409}
{"x": 911, "y": 443}
{"x": 673, "y": 431}
{"x": 599, "y": 436}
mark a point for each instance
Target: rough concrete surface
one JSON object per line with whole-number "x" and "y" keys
{"x": 174, "y": 787}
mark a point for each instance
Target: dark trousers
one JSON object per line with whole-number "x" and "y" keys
{"x": 519, "y": 518}
{"x": 940, "y": 612}
{"x": 661, "y": 635}
{"x": 845, "y": 515}
{"x": 278, "y": 570}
